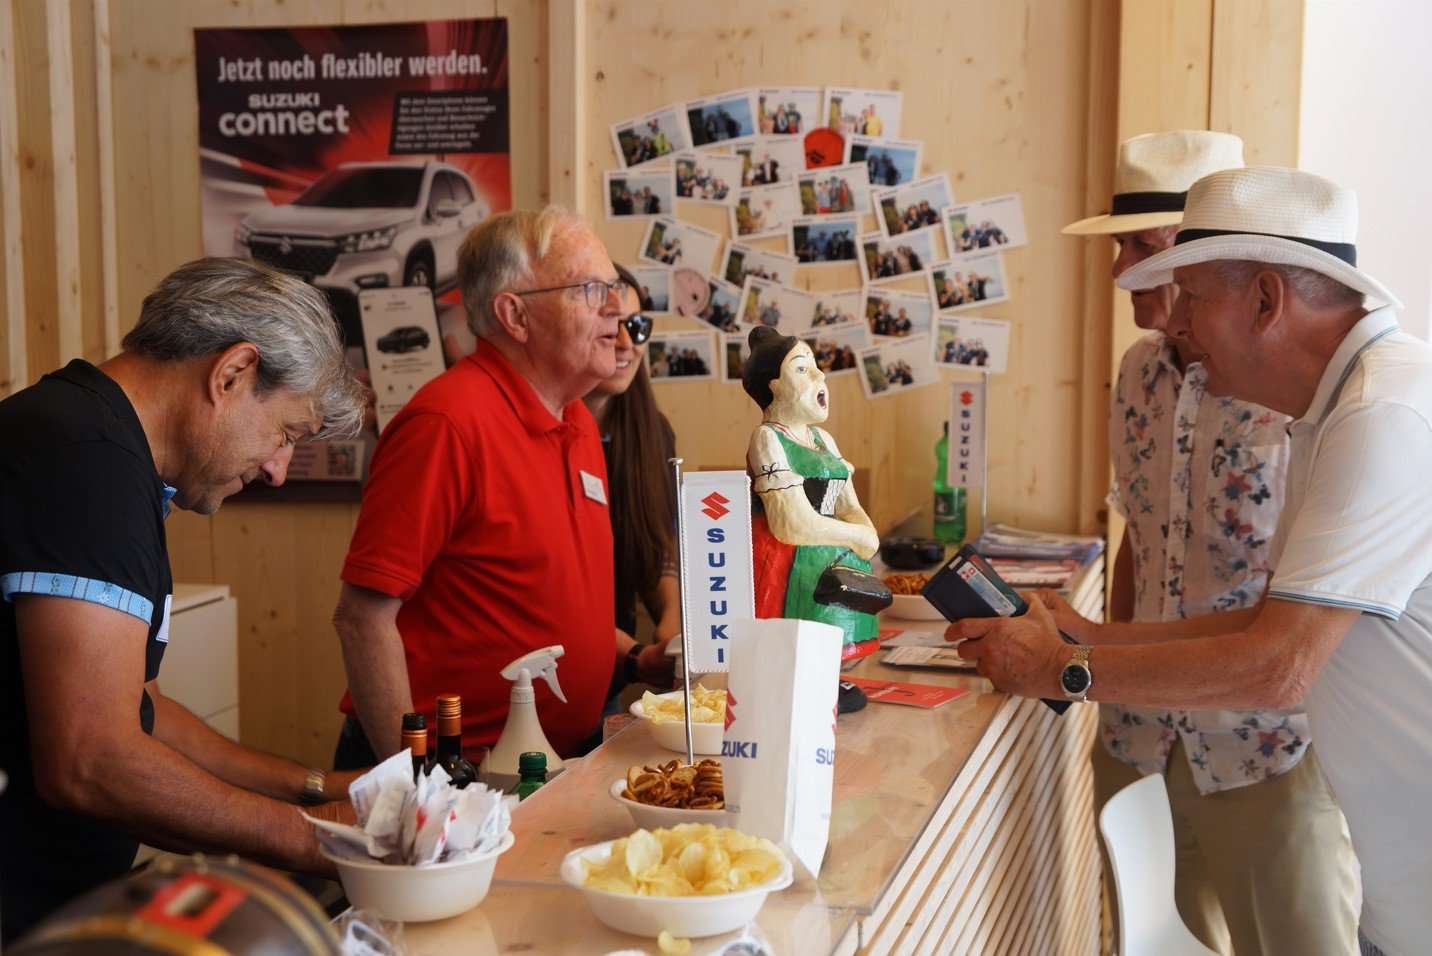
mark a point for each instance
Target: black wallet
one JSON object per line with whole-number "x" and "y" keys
{"x": 968, "y": 587}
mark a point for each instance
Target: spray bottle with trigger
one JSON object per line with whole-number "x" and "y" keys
{"x": 523, "y": 731}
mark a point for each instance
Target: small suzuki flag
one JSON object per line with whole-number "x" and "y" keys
{"x": 715, "y": 563}
{"x": 967, "y": 434}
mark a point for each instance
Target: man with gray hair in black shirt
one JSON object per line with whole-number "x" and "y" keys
{"x": 230, "y": 364}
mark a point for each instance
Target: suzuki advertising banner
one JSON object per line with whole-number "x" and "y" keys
{"x": 356, "y": 157}
{"x": 716, "y": 564}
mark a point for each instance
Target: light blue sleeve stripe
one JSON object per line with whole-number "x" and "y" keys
{"x": 1381, "y": 610}
{"x": 81, "y": 589}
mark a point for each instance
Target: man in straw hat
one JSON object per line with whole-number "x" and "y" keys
{"x": 1270, "y": 294}
{"x": 1263, "y": 861}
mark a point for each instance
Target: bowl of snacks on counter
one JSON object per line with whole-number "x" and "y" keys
{"x": 668, "y": 728}
{"x": 422, "y": 849}
{"x": 672, "y": 793}
{"x": 690, "y": 880}
{"x": 907, "y": 602}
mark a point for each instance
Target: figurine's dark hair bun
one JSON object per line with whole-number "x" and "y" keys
{"x": 769, "y": 349}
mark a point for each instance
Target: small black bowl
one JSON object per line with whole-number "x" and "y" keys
{"x": 911, "y": 554}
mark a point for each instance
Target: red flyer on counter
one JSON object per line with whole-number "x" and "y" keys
{"x": 925, "y": 696}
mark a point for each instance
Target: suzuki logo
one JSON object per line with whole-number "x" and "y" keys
{"x": 730, "y": 710}
{"x": 284, "y": 246}
{"x": 967, "y": 398}
{"x": 715, "y": 506}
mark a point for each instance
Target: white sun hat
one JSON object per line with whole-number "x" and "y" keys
{"x": 1266, "y": 214}
{"x": 1152, "y": 177}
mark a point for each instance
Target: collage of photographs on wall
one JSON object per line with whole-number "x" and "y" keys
{"x": 810, "y": 178}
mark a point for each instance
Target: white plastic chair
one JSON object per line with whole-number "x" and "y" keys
{"x": 1138, "y": 829}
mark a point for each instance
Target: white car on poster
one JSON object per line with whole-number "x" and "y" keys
{"x": 370, "y": 226}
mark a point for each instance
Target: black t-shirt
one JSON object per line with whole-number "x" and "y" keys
{"x": 81, "y": 516}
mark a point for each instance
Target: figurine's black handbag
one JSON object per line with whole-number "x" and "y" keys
{"x": 850, "y": 588}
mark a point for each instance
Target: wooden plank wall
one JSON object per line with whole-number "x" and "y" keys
{"x": 99, "y": 195}
{"x": 999, "y": 93}
{"x": 1228, "y": 65}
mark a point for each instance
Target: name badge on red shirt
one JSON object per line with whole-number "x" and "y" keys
{"x": 594, "y": 488}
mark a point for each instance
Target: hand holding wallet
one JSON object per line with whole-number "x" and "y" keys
{"x": 966, "y": 586}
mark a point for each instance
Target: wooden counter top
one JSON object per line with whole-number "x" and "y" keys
{"x": 916, "y": 792}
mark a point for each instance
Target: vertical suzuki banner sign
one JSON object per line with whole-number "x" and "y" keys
{"x": 715, "y": 563}
{"x": 967, "y": 434}
{"x": 356, "y": 157}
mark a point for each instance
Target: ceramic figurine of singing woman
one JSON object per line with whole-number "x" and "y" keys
{"x": 808, "y": 517}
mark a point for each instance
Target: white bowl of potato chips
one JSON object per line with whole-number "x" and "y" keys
{"x": 690, "y": 880}
{"x": 668, "y": 728}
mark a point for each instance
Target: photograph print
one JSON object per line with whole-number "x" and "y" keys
{"x": 670, "y": 242}
{"x": 719, "y": 119}
{"x": 681, "y": 356}
{"x": 707, "y": 298}
{"x": 897, "y": 365}
{"x": 653, "y": 288}
{"x": 639, "y": 194}
{"x": 776, "y": 306}
{"x": 708, "y": 178}
{"x": 765, "y": 211}
{"x": 985, "y": 225}
{"x": 863, "y": 112}
{"x": 650, "y": 137}
{"x": 916, "y": 205}
{"x": 787, "y": 110}
{"x": 835, "y": 190}
{"x": 822, "y": 240}
{"x": 890, "y": 314}
{"x": 735, "y": 349}
{"x": 841, "y": 307}
{"x": 741, "y": 260}
{"x": 967, "y": 282}
{"x": 837, "y": 348}
{"x": 969, "y": 342}
{"x": 885, "y": 258}
{"x": 888, "y": 162}
{"x": 771, "y": 159}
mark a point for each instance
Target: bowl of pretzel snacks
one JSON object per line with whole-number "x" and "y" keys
{"x": 672, "y": 793}
{"x": 907, "y": 601}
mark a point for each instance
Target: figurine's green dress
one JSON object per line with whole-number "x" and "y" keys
{"x": 786, "y": 576}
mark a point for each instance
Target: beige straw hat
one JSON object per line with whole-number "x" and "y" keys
{"x": 1266, "y": 214}
{"x": 1152, "y": 178}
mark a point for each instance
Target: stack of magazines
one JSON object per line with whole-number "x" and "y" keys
{"x": 1068, "y": 563}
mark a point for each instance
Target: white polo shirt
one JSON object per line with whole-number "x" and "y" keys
{"x": 1357, "y": 532}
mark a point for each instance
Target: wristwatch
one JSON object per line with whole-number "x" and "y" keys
{"x": 629, "y": 670}
{"x": 1076, "y": 678}
{"x": 313, "y": 787}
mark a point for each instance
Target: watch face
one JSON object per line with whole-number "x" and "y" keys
{"x": 1075, "y": 679}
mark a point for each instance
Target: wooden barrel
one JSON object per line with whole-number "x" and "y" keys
{"x": 194, "y": 906}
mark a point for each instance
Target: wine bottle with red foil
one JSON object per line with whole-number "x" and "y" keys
{"x": 449, "y": 755}
{"x": 415, "y": 738}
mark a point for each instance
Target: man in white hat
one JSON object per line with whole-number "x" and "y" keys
{"x": 1270, "y": 293}
{"x": 1263, "y": 861}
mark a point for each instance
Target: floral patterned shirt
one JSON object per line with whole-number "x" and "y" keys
{"x": 1200, "y": 481}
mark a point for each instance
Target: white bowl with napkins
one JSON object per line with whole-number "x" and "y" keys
{"x": 416, "y": 894}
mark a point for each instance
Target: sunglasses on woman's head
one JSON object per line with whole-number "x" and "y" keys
{"x": 638, "y": 327}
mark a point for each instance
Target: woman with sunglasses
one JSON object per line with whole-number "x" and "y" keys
{"x": 639, "y": 444}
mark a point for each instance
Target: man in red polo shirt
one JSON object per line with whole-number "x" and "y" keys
{"x": 484, "y": 532}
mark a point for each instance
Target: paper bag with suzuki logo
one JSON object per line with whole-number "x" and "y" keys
{"x": 778, "y": 756}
